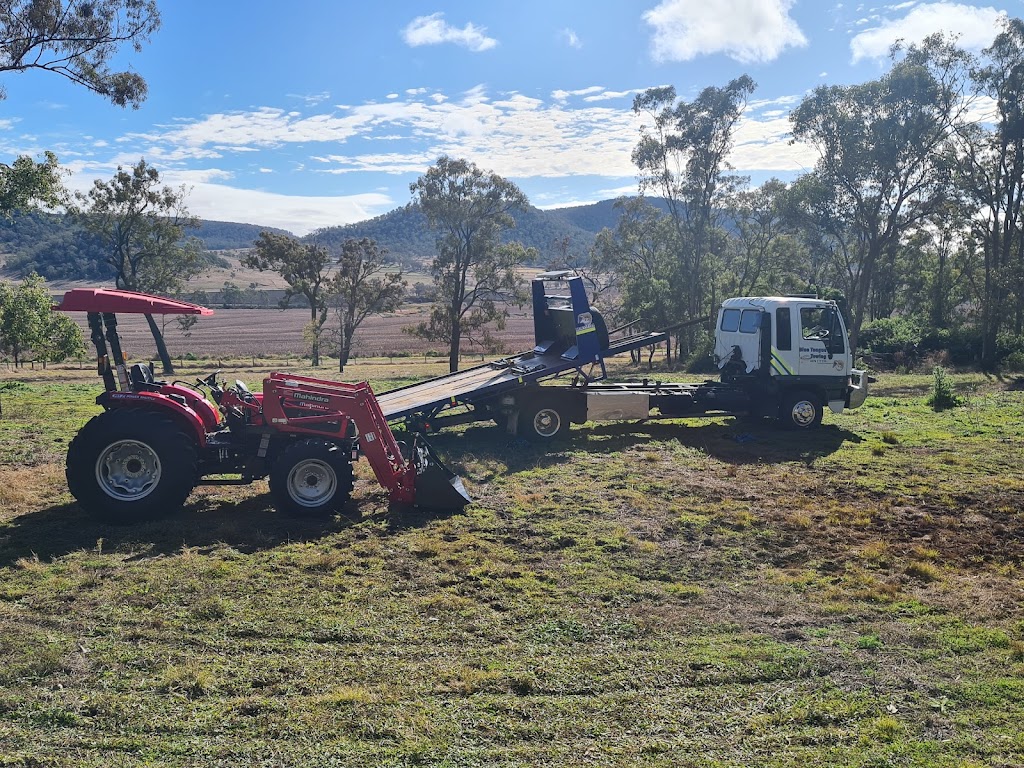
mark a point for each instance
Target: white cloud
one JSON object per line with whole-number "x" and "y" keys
{"x": 745, "y": 30}
{"x": 571, "y": 38}
{"x": 976, "y": 28}
{"x": 434, "y": 30}
{"x": 296, "y": 213}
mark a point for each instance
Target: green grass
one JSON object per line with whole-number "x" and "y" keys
{"x": 662, "y": 594}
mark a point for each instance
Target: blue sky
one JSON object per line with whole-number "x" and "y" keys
{"x": 324, "y": 112}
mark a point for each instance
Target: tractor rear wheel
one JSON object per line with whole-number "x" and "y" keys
{"x": 130, "y": 465}
{"x": 311, "y": 478}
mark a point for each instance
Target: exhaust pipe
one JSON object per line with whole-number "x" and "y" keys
{"x": 435, "y": 486}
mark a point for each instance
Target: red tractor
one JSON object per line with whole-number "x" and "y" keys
{"x": 155, "y": 441}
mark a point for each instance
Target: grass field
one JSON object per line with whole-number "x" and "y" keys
{"x": 682, "y": 593}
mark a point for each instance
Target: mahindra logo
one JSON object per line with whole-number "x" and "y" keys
{"x": 314, "y": 398}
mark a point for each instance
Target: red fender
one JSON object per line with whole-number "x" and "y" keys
{"x": 183, "y": 414}
{"x": 209, "y": 415}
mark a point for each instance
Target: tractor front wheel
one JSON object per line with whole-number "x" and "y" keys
{"x": 311, "y": 478}
{"x": 131, "y": 465}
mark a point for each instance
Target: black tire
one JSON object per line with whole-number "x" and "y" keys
{"x": 543, "y": 422}
{"x": 800, "y": 410}
{"x": 130, "y": 465}
{"x": 311, "y": 478}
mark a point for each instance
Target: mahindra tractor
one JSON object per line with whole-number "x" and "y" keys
{"x": 157, "y": 440}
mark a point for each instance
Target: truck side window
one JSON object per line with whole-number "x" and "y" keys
{"x": 814, "y": 323}
{"x": 750, "y": 321}
{"x": 783, "y": 330}
{"x": 731, "y": 320}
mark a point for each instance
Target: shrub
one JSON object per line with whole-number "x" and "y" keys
{"x": 942, "y": 395}
{"x": 888, "y": 335}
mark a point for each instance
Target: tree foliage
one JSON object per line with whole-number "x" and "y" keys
{"x": 883, "y": 165}
{"x": 682, "y": 156}
{"x": 78, "y": 39}
{"x": 306, "y": 268}
{"x": 474, "y": 272}
{"x": 26, "y": 183}
{"x": 141, "y": 226}
{"x": 362, "y": 288}
{"x": 29, "y": 329}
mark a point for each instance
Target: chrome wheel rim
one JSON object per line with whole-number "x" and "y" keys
{"x": 128, "y": 470}
{"x": 803, "y": 413}
{"x": 312, "y": 483}
{"x": 547, "y": 422}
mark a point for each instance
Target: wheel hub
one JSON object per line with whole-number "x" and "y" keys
{"x": 128, "y": 470}
{"x": 311, "y": 483}
{"x": 546, "y": 422}
{"x": 803, "y": 413}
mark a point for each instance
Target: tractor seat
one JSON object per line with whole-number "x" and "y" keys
{"x": 141, "y": 377}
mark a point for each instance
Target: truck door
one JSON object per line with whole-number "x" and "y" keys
{"x": 822, "y": 342}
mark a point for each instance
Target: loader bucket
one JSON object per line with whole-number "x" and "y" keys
{"x": 437, "y": 487}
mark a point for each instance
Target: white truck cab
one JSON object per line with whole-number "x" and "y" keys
{"x": 795, "y": 349}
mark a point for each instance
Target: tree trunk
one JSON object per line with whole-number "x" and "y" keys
{"x": 315, "y": 344}
{"x": 453, "y": 350}
{"x": 456, "y": 340}
{"x": 344, "y": 347}
{"x": 161, "y": 347}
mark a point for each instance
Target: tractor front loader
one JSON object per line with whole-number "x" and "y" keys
{"x": 155, "y": 441}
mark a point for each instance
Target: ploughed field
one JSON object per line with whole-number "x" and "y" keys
{"x": 680, "y": 593}
{"x": 279, "y": 333}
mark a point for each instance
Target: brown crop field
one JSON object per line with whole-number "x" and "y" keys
{"x": 240, "y": 333}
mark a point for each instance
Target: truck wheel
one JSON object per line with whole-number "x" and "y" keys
{"x": 131, "y": 465}
{"x": 800, "y": 410}
{"x": 542, "y": 422}
{"x": 311, "y": 478}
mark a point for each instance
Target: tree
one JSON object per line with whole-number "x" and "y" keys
{"x": 28, "y": 326}
{"x": 363, "y": 289}
{"x": 682, "y": 157}
{"x": 992, "y": 178}
{"x": 306, "y": 269}
{"x": 26, "y": 183}
{"x": 640, "y": 251}
{"x": 77, "y": 39}
{"x": 474, "y": 273}
{"x": 762, "y": 257}
{"x": 884, "y": 156}
{"x": 142, "y": 226}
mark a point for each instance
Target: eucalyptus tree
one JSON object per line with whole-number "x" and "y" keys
{"x": 763, "y": 255}
{"x": 363, "y": 287}
{"x": 474, "y": 272}
{"x": 884, "y": 157}
{"x": 78, "y": 40}
{"x": 306, "y": 268}
{"x": 992, "y": 179}
{"x": 142, "y": 226}
{"x": 682, "y": 156}
{"x": 640, "y": 251}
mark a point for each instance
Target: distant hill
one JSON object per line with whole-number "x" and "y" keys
{"x": 404, "y": 231}
{"x": 230, "y": 235}
{"x": 59, "y": 249}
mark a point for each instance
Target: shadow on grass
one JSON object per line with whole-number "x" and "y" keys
{"x": 742, "y": 441}
{"x": 248, "y": 526}
{"x": 479, "y": 453}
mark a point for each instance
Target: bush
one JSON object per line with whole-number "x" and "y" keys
{"x": 942, "y": 395}
{"x": 889, "y": 335}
